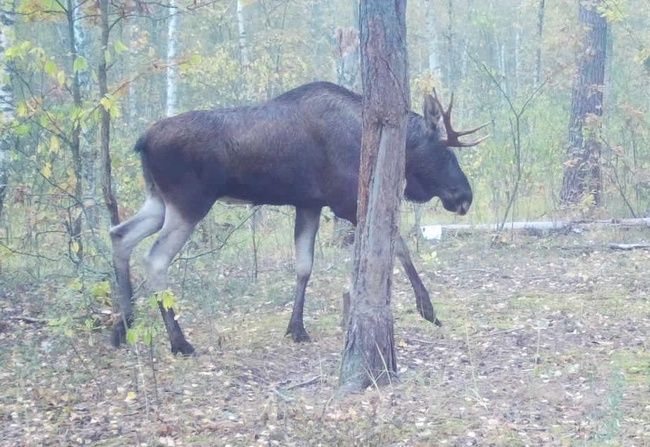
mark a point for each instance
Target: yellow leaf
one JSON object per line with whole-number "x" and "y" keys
{"x": 55, "y": 145}
{"x": 47, "y": 170}
{"x": 74, "y": 246}
{"x": 107, "y": 103}
{"x": 131, "y": 395}
{"x": 60, "y": 78}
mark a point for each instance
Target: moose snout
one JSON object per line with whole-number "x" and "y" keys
{"x": 461, "y": 199}
{"x": 463, "y": 208}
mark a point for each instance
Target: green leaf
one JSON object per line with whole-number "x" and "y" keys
{"x": 167, "y": 299}
{"x": 100, "y": 289}
{"x": 22, "y": 110}
{"x": 132, "y": 336}
{"x": 50, "y": 68}
{"x": 80, "y": 64}
{"x": 120, "y": 47}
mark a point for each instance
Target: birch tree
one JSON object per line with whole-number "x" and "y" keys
{"x": 172, "y": 67}
{"x": 7, "y": 106}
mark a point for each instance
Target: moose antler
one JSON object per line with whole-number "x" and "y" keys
{"x": 452, "y": 135}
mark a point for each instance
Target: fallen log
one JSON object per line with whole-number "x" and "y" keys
{"x": 435, "y": 232}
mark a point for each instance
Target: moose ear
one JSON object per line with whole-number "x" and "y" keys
{"x": 432, "y": 112}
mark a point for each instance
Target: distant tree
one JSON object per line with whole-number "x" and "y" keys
{"x": 582, "y": 173}
{"x": 105, "y": 117}
{"x": 369, "y": 356}
{"x": 7, "y": 105}
{"x": 172, "y": 67}
{"x": 540, "y": 35}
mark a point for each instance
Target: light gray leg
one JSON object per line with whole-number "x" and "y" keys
{"x": 175, "y": 232}
{"x": 422, "y": 299}
{"x": 125, "y": 237}
{"x": 306, "y": 227}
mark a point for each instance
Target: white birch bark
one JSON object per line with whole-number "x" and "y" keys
{"x": 7, "y": 106}
{"x": 241, "y": 31}
{"x": 432, "y": 44}
{"x": 172, "y": 67}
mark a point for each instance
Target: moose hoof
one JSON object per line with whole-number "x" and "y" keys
{"x": 183, "y": 347}
{"x": 118, "y": 335}
{"x": 298, "y": 334}
{"x": 426, "y": 310}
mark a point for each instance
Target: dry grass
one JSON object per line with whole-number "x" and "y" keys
{"x": 545, "y": 342}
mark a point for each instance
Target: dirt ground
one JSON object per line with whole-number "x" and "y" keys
{"x": 544, "y": 342}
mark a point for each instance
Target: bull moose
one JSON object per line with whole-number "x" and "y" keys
{"x": 302, "y": 149}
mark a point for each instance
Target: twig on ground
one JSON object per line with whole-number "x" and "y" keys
{"x": 302, "y": 384}
{"x": 26, "y": 319}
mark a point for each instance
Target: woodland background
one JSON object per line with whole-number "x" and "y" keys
{"x": 82, "y": 79}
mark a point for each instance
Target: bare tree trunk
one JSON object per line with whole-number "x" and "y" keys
{"x": 7, "y": 105}
{"x": 451, "y": 63}
{"x": 172, "y": 67}
{"x": 433, "y": 62}
{"x": 369, "y": 355}
{"x": 582, "y": 176}
{"x": 87, "y": 146}
{"x": 241, "y": 34}
{"x": 540, "y": 34}
{"x": 76, "y": 211}
{"x": 107, "y": 187}
{"x": 347, "y": 70}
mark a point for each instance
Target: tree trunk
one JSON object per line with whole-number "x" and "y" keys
{"x": 107, "y": 187}
{"x": 540, "y": 34}
{"x": 433, "y": 63}
{"x": 347, "y": 74}
{"x": 582, "y": 176}
{"x": 75, "y": 221}
{"x": 451, "y": 63}
{"x": 241, "y": 35}
{"x": 7, "y": 106}
{"x": 87, "y": 146}
{"x": 369, "y": 355}
{"x": 172, "y": 67}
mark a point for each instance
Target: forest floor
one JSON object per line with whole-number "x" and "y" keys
{"x": 544, "y": 342}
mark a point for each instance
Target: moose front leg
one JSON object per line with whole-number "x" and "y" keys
{"x": 306, "y": 227}
{"x": 422, "y": 299}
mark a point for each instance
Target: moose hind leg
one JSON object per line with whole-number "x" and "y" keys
{"x": 125, "y": 237}
{"x": 175, "y": 232}
{"x": 306, "y": 227}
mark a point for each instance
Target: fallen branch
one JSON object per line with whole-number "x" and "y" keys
{"x": 29, "y": 320}
{"x": 628, "y": 246}
{"x": 303, "y": 384}
{"x": 436, "y": 231}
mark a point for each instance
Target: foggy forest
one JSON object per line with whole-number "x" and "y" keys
{"x": 535, "y": 288}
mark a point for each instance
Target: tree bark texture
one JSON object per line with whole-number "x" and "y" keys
{"x": 582, "y": 176}
{"x": 7, "y": 105}
{"x": 105, "y": 125}
{"x": 369, "y": 356}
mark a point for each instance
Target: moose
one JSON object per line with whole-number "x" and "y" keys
{"x": 302, "y": 149}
